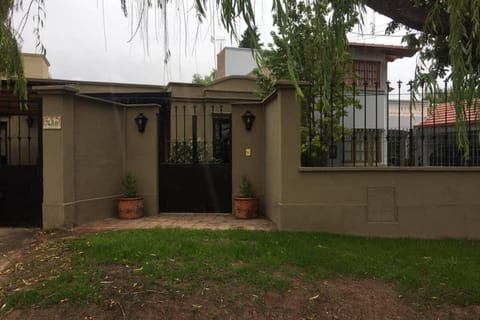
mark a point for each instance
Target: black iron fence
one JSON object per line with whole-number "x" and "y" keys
{"x": 195, "y": 172}
{"x": 351, "y": 126}
{"x": 21, "y": 174}
{"x": 199, "y": 134}
{"x": 20, "y": 134}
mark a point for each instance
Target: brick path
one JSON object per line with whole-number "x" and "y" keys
{"x": 178, "y": 220}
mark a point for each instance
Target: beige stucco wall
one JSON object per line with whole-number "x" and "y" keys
{"x": 35, "y": 66}
{"x": 98, "y": 158}
{"x": 407, "y": 202}
{"x": 142, "y": 154}
{"x": 273, "y": 160}
{"x": 419, "y": 203}
{"x": 104, "y": 87}
{"x": 252, "y": 166}
{"x": 99, "y": 143}
{"x": 85, "y": 160}
{"x": 58, "y": 153}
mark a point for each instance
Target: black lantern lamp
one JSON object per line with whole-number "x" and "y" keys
{"x": 248, "y": 119}
{"x": 141, "y": 122}
{"x": 30, "y": 121}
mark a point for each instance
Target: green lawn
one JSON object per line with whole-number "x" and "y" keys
{"x": 446, "y": 271}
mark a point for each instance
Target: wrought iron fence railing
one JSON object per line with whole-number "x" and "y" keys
{"x": 370, "y": 127}
{"x": 198, "y": 135}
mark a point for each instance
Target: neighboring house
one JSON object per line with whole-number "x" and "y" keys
{"x": 436, "y": 137}
{"x": 235, "y": 62}
{"x": 366, "y": 143}
{"x": 403, "y": 116}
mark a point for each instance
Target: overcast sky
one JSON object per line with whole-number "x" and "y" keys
{"x": 89, "y": 40}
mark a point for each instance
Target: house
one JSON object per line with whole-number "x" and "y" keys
{"x": 436, "y": 137}
{"x": 233, "y": 61}
{"x": 365, "y": 141}
{"x": 403, "y": 116}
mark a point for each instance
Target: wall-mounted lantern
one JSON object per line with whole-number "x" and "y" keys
{"x": 248, "y": 119}
{"x": 30, "y": 121}
{"x": 141, "y": 122}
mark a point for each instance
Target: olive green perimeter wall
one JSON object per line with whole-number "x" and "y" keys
{"x": 391, "y": 202}
{"x": 85, "y": 160}
{"x": 99, "y": 143}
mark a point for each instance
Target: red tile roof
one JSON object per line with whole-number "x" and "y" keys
{"x": 392, "y": 52}
{"x": 445, "y": 113}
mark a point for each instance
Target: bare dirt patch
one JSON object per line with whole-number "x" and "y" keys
{"x": 337, "y": 299}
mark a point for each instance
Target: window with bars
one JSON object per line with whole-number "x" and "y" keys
{"x": 357, "y": 148}
{"x": 367, "y": 72}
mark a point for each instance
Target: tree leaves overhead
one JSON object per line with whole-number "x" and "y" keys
{"x": 11, "y": 63}
{"x": 250, "y": 39}
{"x": 449, "y": 37}
{"x": 206, "y": 79}
{"x": 311, "y": 45}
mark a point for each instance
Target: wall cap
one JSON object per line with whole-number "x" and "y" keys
{"x": 389, "y": 169}
{"x": 288, "y": 84}
{"x": 55, "y": 90}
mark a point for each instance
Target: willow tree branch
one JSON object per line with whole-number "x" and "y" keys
{"x": 405, "y": 12}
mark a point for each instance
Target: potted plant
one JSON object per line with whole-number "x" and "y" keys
{"x": 130, "y": 206}
{"x": 246, "y": 205}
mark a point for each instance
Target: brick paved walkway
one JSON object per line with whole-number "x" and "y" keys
{"x": 178, "y": 220}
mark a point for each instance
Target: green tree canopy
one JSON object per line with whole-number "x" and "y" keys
{"x": 308, "y": 45}
{"x": 11, "y": 65}
{"x": 206, "y": 79}
{"x": 250, "y": 39}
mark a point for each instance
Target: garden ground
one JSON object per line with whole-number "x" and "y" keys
{"x": 238, "y": 274}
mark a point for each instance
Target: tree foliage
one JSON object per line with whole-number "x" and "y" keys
{"x": 250, "y": 39}
{"x": 206, "y": 79}
{"x": 450, "y": 50}
{"x": 311, "y": 44}
{"x": 449, "y": 37}
{"x": 11, "y": 63}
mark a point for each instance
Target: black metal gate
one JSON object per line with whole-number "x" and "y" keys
{"x": 195, "y": 172}
{"x": 21, "y": 183}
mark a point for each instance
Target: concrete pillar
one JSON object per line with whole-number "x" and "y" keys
{"x": 142, "y": 154}
{"x": 248, "y": 150}
{"x": 58, "y": 156}
{"x": 282, "y": 147}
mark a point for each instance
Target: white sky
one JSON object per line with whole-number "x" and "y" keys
{"x": 88, "y": 40}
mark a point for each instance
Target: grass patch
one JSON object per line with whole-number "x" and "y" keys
{"x": 184, "y": 260}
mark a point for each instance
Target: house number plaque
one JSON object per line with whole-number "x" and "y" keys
{"x": 52, "y": 122}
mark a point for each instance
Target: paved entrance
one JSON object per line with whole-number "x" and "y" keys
{"x": 184, "y": 221}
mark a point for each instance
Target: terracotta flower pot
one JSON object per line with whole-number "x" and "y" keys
{"x": 130, "y": 208}
{"x": 245, "y": 208}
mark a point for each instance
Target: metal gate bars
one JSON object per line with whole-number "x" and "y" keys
{"x": 21, "y": 182}
{"x": 195, "y": 159}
